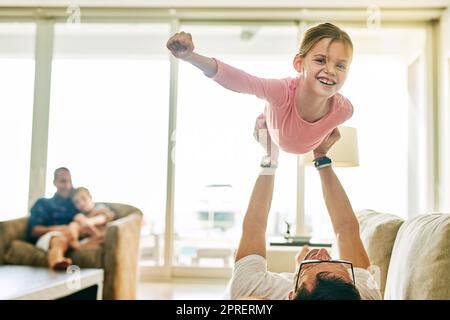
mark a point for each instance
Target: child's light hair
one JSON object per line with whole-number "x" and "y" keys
{"x": 81, "y": 189}
{"x": 324, "y": 30}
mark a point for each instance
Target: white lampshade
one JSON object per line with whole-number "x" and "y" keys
{"x": 344, "y": 153}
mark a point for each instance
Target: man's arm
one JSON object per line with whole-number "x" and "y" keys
{"x": 39, "y": 219}
{"x": 253, "y": 239}
{"x": 344, "y": 221}
{"x": 38, "y": 231}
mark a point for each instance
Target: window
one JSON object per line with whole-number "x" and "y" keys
{"x": 217, "y": 159}
{"x": 109, "y": 117}
{"x": 16, "y": 114}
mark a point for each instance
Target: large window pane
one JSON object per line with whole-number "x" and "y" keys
{"x": 217, "y": 159}
{"x": 109, "y": 117}
{"x": 16, "y": 111}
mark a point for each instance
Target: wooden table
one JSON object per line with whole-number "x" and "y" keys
{"x": 33, "y": 283}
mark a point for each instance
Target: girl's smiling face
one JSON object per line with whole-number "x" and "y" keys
{"x": 83, "y": 201}
{"x": 325, "y": 67}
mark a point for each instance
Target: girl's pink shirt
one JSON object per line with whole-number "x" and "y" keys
{"x": 288, "y": 130}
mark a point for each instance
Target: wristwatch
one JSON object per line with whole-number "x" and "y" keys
{"x": 322, "y": 162}
{"x": 266, "y": 162}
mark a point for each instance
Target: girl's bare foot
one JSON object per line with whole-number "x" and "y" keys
{"x": 61, "y": 264}
{"x": 56, "y": 259}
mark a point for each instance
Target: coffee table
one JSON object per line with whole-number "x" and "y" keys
{"x": 33, "y": 283}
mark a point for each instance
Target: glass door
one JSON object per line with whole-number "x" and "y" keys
{"x": 16, "y": 115}
{"x": 109, "y": 118}
{"x": 217, "y": 159}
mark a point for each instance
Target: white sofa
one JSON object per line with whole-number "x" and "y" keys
{"x": 413, "y": 256}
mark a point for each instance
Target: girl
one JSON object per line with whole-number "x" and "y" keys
{"x": 300, "y": 111}
{"x": 92, "y": 219}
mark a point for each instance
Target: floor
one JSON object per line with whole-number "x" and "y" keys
{"x": 183, "y": 289}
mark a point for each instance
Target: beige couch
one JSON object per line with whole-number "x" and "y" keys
{"x": 118, "y": 256}
{"x": 411, "y": 258}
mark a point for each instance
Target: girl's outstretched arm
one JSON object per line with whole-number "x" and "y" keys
{"x": 275, "y": 91}
{"x": 206, "y": 64}
{"x": 182, "y": 47}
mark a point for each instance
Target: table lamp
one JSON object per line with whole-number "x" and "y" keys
{"x": 344, "y": 153}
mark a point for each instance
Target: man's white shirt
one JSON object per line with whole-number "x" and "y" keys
{"x": 251, "y": 279}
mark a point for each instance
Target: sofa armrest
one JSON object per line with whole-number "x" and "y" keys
{"x": 11, "y": 230}
{"x": 121, "y": 253}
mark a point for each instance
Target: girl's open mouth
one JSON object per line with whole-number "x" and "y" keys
{"x": 326, "y": 81}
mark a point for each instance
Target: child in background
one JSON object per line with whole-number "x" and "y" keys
{"x": 92, "y": 217}
{"x": 300, "y": 111}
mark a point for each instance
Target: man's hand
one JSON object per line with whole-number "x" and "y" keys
{"x": 300, "y": 256}
{"x": 327, "y": 143}
{"x": 66, "y": 230}
{"x": 261, "y": 134}
{"x": 89, "y": 230}
{"x": 181, "y": 45}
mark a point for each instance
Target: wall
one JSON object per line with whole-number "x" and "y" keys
{"x": 444, "y": 112}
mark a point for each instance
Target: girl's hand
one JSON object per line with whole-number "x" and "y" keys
{"x": 80, "y": 218}
{"x": 181, "y": 45}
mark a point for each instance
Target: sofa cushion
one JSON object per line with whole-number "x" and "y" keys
{"x": 87, "y": 258}
{"x": 24, "y": 253}
{"x": 378, "y": 232}
{"x": 420, "y": 263}
{"x": 11, "y": 230}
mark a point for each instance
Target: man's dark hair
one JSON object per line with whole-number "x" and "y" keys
{"x": 328, "y": 287}
{"x": 55, "y": 174}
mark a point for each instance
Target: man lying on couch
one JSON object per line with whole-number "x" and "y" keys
{"x": 317, "y": 275}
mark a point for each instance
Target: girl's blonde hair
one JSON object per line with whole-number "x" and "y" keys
{"x": 324, "y": 30}
{"x": 81, "y": 189}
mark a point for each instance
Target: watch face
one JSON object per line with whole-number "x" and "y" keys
{"x": 322, "y": 161}
{"x": 265, "y": 162}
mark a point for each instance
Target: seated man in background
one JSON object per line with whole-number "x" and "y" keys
{"x": 51, "y": 226}
{"x": 320, "y": 278}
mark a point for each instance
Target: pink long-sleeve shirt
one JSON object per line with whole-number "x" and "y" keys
{"x": 286, "y": 127}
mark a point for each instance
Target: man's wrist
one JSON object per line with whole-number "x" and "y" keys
{"x": 319, "y": 155}
{"x": 268, "y": 171}
{"x": 268, "y": 165}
